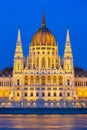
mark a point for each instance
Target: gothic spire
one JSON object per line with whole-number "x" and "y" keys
{"x": 68, "y": 56}
{"x": 19, "y": 37}
{"x": 67, "y": 37}
{"x": 18, "y": 51}
{"x": 68, "y": 50}
{"x": 18, "y": 56}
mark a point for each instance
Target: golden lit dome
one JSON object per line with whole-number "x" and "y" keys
{"x": 43, "y": 36}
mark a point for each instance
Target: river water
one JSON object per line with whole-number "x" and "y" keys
{"x": 43, "y": 122}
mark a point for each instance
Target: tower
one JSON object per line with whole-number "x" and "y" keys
{"x": 18, "y": 57}
{"x": 69, "y": 70}
{"x": 68, "y": 57}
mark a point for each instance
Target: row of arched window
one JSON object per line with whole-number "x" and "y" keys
{"x": 80, "y": 83}
{"x": 41, "y": 94}
{"x": 42, "y": 80}
{"x": 5, "y": 83}
{"x": 43, "y": 63}
{"x": 44, "y": 88}
{"x": 37, "y": 94}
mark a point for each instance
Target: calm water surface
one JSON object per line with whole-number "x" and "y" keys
{"x": 43, "y": 122}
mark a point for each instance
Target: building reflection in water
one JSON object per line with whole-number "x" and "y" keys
{"x": 44, "y": 122}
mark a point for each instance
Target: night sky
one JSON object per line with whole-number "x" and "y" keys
{"x": 27, "y": 14}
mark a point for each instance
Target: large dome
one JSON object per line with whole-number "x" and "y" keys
{"x": 43, "y": 36}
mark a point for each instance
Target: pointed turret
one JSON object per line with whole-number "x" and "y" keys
{"x": 18, "y": 52}
{"x": 68, "y": 50}
{"x": 68, "y": 57}
{"x": 18, "y": 57}
{"x": 19, "y": 37}
{"x": 67, "y": 37}
{"x": 43, "y": 20}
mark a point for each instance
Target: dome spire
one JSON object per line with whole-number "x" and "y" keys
{"x": 43, "y": 20}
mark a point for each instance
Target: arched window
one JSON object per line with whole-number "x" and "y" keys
{"x": 43, "y": 80}
{"x": 31, "y": 79}
{"x": 86, "y": 83}
{"x": 18, "y": 82}
{"x": 37, "y": 79}
{"x": 33, "y": 66}
{"x": 18, "y": 94}
{"x": 38, "y": 62}
{"x": 49, "y": 94}
{"x": 54, "y": 79}
{"x": 68, "y": 94}
{"x": 60, "y": 94}
{"x": 67, "y": 66}
{"x": 48, "y": 62}
{"x": 49, "y": 79}
{"x": 30, "y": 63}
{"x": 43, "y": 62}
{"x": 31, "y": 94}
{"x": 56, "y": 66}
{"x": 26, "y": 94}
{"x": 52, "y": 66}
{"x": 68, "y": 82}
{"x": 75, "y": 83}
{"x": 18, "y": 66}
{"x": 60, "y": 80}
{"x": 43, "y": 94}
{"x": 37, "y": 94}
{"x": 25, "y": 80}
{"x": 54, "y": 94}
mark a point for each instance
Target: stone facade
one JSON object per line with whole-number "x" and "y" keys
{"x": 43, "y": 77}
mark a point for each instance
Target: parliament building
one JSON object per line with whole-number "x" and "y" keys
{"x": 43, "y": 78}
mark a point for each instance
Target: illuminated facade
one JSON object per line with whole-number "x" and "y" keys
{"x": 43, "y": 78}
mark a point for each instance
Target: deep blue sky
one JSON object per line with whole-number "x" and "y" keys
{"x": 28, "y": 14}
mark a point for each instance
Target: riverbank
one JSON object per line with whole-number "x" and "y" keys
{"x": 43, "y": 111}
